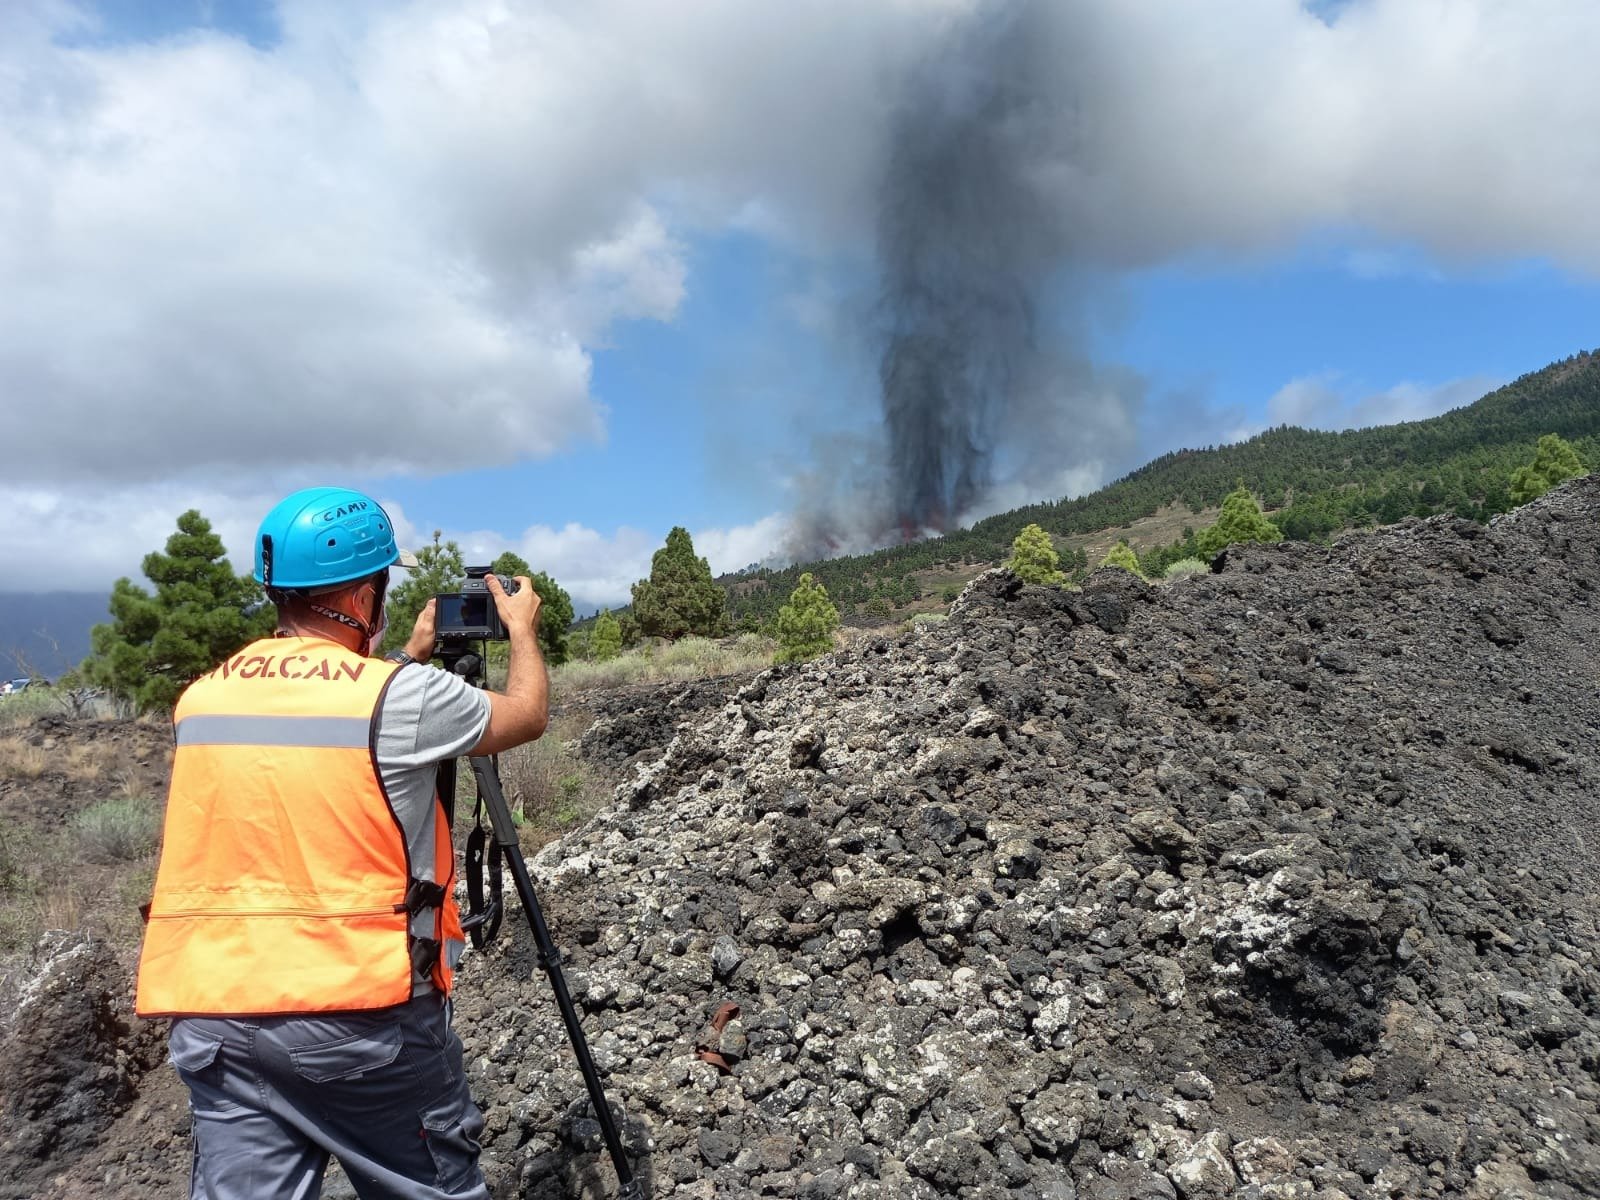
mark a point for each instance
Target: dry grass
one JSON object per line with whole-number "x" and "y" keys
{"x": 675, "y": 662}
{"x": 1160, "y": 528}
{"x": 89, "y": 762}
{"x": 59, "y": 907}
{"x": 41, "y": 890}
{"x": 548, "y": 788}
{"x": 79, "y": 762}
{"x": 12, "y": 869}
{"x": 19, "y": 760}
{"x": 52, "y": 881}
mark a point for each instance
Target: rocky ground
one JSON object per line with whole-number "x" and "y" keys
{"x": 1279, "y": 882}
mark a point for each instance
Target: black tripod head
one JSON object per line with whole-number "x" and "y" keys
{"x": 463, "y": 657}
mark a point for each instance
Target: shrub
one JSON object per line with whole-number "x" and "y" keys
{"x": 605, "y": 640}
{"x": 117, "y": 831}
{"x": 693, "y": 658}
{"x": 547, "y": 786}
{"x": 11, "y": 873}
{"x": 806, "y": 622}
{"x": 1553, "y": 462}
{"x": 1122, "y": 555}
{"x": 1240, "y": 521}
{"x": 1185, "y": 567}
{"x": 21, "y": 708}
{"x": 1034, "y": 558}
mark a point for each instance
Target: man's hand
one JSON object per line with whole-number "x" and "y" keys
{"x": 423, "y": 634}
{"x": 520, "y": 713}
{"x": 519, "y": 609}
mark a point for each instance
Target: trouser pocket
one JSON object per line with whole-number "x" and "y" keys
{"x": 198, "y": 1057}
{"x": 452, "y": 1127}
{"x": 367, "y": 1072}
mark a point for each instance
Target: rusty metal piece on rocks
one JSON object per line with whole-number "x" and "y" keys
{"x": 710, "y": 1048}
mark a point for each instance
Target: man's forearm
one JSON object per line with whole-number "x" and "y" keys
{"x": 527, "y": 681}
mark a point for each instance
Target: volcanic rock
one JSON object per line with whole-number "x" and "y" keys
{"x": 1277, "y": 882}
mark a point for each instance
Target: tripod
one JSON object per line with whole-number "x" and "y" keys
{"x": 463, "y": 659}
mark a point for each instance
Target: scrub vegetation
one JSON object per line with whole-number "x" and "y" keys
{"x": 658, "y": 662}
{"x": 548, "y": 786}
{"x": 80, "y": 825}
{"x": 123, "y": 829}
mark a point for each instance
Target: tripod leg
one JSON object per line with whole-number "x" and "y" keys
{"x": 505, "y": 833}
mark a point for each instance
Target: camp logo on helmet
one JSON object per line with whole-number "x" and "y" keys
{"x": 344, "y": 510}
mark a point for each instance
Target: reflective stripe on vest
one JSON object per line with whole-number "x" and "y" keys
{"x": 283, "y": 870}
{"x": 352, "y": 733}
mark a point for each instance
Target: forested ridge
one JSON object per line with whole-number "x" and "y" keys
{"x": 1315, "y": 483}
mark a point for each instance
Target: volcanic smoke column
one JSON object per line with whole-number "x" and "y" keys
{"x": 963, "y": 244}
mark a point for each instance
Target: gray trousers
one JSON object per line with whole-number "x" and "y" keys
{"x": 384, "y": 1092}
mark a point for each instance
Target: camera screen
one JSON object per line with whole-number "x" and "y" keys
{"x": 458, "y": 612}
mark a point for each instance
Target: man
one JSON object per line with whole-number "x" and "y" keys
{"x": 304, "y": 928}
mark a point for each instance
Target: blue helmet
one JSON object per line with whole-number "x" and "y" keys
{"x": 321, "y": 537}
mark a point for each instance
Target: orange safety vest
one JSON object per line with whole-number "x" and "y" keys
{"x": 284, "y": 872}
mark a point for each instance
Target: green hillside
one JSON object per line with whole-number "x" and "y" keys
{"x": 1318, "y": 483}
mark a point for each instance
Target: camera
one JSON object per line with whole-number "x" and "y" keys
{"x": 470, "y": 613}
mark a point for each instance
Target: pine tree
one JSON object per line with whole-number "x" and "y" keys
{"x": 680, "y": 597}
{"x": 1553, "y": 462}
{"x": 555, "y": 606}
{"x": 628, "y": 624}
{"x": 605, "y": 639}
{"x": 1034, "y": 558}
{"x": 1240, "y": 521}
{"x": 806, "y": 622}
{"x": 201, "y": 612}
{"x": 1122, "y": 555}
{"x": 440, "y": 568}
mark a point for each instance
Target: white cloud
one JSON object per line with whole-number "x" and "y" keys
{"x": 221, "y": 256}
{"x": 1242, "y": 124}
{"x": 81, "y": 541}
{"x": 1328, "y": 401}
{"x": 1305, "y": 401}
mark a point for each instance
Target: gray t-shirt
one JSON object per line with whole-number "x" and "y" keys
{"x": 426, "y": 716}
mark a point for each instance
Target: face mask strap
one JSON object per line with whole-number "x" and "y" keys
{"x": 371, "y": 629}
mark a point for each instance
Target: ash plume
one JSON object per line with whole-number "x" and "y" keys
{"x": 964, "y": 243}
{"x": 987, "y": 396}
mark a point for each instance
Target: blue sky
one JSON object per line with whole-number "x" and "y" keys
{"x": 556, "y": 279}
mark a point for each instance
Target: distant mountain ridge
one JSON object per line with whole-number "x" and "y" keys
{"x": 47, "y": 632}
